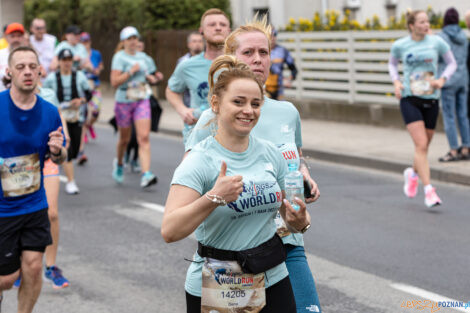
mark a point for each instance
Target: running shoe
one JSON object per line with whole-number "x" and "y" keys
{"x": 71, "y": 188}
{"x": 82, "y": 159}
{"x": 118, "y": 172}
{"x": 91, "y": 130}
{"x": 431, "y": 199}
{"x": 17, "y": 282}
{"x": 135, "y": 167}
{"x": 148, "y": 179}
{"x": 54, "y": 275}
{"x": 411, "y": 183}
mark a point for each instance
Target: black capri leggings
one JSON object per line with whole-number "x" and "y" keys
{"x": 279, "y": 299}
{"x": 75, "y": 134}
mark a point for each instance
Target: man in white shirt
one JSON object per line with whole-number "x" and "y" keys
{"x": 14, "y": 34}
{"x": 43, "y": 43}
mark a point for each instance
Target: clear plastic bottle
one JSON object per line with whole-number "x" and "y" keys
{"x": 294, "y": 181}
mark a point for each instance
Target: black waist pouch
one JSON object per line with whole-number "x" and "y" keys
{"x": 252, "y": 261}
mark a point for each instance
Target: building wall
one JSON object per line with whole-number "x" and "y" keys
{"x": 281, "y": 10}
{"x": 11, "y": 11}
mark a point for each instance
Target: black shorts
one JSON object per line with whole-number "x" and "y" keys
{"x": 418, "y": 109}
{"x": 279, "y": 299}
{"x": 30, "y": 232}
{"x": 75, "y": 133}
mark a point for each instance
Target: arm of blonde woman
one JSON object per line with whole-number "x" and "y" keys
{"x": 303, "y": 168}
{"x": 451, "y": 67}
{"x": 296, "y": 220}
{"x": 186, "y": 209}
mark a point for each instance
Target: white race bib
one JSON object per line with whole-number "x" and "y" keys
{"x": 226, "y": 289}
{"x": 20, "y": 175}
{"x": 420, "y": 83}
{"x": 138, "y": 91}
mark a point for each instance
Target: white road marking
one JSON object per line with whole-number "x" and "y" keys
{"x": 150, "y": 205}
{"x": 426, "y": 294}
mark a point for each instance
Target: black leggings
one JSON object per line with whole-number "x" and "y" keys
{"x": 279, "y": 299}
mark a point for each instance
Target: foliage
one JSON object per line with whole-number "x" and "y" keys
{"x": 110, "y": 16}
{"x": 332, "y": 20}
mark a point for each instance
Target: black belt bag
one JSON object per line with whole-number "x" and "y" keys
{"x": 252, "y": 261}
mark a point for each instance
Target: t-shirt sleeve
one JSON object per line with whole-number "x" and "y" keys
{"x": 82, "y": 81}
{"x": 281, "y": 168}
{"x": 176, "y": 82}
{"x": 192, "y": 173}
{"x": 395, "y": 50}
{"x": 49, "y": 82}
{"x": 201, "y": 130}
{"x": 58, "y": 48}
{"x": 117, "y": 64}
{"x": 152, "y": 68}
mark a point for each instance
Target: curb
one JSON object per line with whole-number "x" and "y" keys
{"x": 384, "y": 165}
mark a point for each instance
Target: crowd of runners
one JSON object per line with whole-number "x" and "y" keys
{"x": 240, "y": 137}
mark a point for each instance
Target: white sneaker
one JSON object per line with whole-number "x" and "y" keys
{"x": 148, "y": 179}
{"x": 71, "y": 188}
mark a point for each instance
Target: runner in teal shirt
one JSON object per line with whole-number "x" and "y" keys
{"x": 192, "y": 75}
{"x": 262, "y": 167}
{"x": 123, "y": 62}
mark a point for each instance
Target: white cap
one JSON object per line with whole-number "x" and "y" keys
{"x": 127, "y": 32}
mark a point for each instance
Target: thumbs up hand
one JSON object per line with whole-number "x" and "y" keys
{"x": 227, "y": 187}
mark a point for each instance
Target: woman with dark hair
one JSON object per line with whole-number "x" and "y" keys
{"x": 455, "y": 90}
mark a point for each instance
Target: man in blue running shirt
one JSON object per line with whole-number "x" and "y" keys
{"x": 31, "y": 132}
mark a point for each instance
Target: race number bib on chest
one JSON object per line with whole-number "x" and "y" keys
{"x": 20, "y": 175}
{"x": 226, "y": 289}
{"x": 70, "y": 113}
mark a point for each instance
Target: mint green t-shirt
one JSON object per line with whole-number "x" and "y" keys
{"x": 420, "y": 64}
{"x": 78, "y": 49}
{"x": 247, "y": 222}
{"x": 49, "y": 95}
{"x": 82, "y": 85}
{"x": 193, "y": 75}
{"x": 279, "y": 123}
{"x": 123, "y": 62}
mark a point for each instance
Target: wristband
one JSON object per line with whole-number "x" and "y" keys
{"x": 303, "y": 230}
{"x": 58, "y": 154}
{"x": 216, "y": 199}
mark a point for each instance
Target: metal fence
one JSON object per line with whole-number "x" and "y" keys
{"x": 349, "y": 66}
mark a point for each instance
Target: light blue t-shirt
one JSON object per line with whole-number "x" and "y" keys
{"x": 49, "y": 95}
{"x": 123, "y": 62}
{"x": 420, "y": 64}
{"x": 82, "y": 85}
{"x": 192, "y": 74}
{"x": 78, "y": 49}
{"x": 279, "y": 123}
{"x": 247, "y": 222}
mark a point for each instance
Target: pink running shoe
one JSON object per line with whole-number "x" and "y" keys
{"x": 411, "y": 183}
{"x": 92, "y": 132}
{"x": 431, "y": 199}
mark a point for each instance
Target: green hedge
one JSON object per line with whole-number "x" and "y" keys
{"x": 113, "y": 15}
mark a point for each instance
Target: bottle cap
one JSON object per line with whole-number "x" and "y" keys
{"x": 292, "y": 167}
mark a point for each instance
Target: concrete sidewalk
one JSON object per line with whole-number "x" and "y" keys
{"x": 368, "y": 146}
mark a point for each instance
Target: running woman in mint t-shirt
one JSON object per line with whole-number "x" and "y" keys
{"x": 130, "y": 75}
{"x": 279, "y": 123}
{"x": 228, "y": 190}
{"x": 419, "y": 95}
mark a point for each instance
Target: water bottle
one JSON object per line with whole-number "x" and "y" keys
{"x": 294, "y": 185}
{"x": 198, "y": 111}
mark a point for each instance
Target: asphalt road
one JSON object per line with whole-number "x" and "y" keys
{"x": 369, "y": 247}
